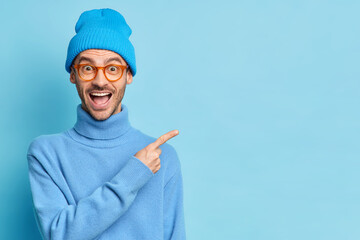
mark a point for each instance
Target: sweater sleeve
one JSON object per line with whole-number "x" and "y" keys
{"x": 174, "y": 223}
{"x": 93, "y": 214}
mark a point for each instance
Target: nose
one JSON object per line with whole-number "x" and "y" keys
{"x": 100, "y": 79}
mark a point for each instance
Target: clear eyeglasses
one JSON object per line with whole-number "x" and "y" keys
{"x": 112, "y": 72}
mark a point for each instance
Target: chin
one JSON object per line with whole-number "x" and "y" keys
{"x": 100, "y": 116}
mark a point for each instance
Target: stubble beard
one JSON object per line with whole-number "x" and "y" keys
{"x": 116, "y": 99}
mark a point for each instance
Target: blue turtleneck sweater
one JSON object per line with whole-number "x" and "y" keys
{"x": 86, "y": 183}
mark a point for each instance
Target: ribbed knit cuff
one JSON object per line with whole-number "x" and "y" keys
{"x": 134, "y": 174}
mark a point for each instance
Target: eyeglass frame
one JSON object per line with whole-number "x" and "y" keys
{"x": 123, "y": 68}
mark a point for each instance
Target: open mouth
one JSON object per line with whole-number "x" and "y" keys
{"x": 100, "y": 100}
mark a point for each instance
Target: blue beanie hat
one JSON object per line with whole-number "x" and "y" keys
{"x": 102, "y": 29}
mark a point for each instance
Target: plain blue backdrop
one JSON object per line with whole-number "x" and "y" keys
{"x": 265, "y": 95}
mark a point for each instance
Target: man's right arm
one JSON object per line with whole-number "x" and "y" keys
{"x": 93, "y": 214}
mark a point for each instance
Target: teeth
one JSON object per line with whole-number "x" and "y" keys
{"x": 99, "y": 94}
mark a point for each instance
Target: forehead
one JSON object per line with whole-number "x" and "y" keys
{"x": 99, "y": 55}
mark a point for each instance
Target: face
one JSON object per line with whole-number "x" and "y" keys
{"x": 100, "y": 107}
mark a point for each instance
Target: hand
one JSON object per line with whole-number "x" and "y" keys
{"x": 151, "y": 153}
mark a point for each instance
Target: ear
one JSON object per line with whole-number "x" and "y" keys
{"x": 129, "y": 76}
{"x": 72, "y": 76}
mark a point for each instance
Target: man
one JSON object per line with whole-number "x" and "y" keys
{"x": 104, "y": 179}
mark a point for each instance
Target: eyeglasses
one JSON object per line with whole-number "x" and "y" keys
{"x": 112, "y": 72}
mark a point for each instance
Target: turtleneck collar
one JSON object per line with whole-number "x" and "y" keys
{"x": 110, "y": 128}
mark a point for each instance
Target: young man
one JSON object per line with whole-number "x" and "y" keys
{"x": 104, "y": 179}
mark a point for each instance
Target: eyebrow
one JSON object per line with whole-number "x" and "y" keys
{"x": 114, "y": 59}
{"x": 85, "y": 59}
{"x": 82, "y": 58}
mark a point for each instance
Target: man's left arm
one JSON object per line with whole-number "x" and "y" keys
{"x": 174, "y": 222}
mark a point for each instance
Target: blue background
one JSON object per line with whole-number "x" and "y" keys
{"x": 265, "y": 95}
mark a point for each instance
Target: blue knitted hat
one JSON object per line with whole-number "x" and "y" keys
{"x": 102, "y": 29}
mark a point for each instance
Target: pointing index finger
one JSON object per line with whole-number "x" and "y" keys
{"x": 163, "y": 138}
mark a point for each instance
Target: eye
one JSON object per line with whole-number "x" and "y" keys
{"x": 112, "y": 68}
{"x": 87, "y": 68}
